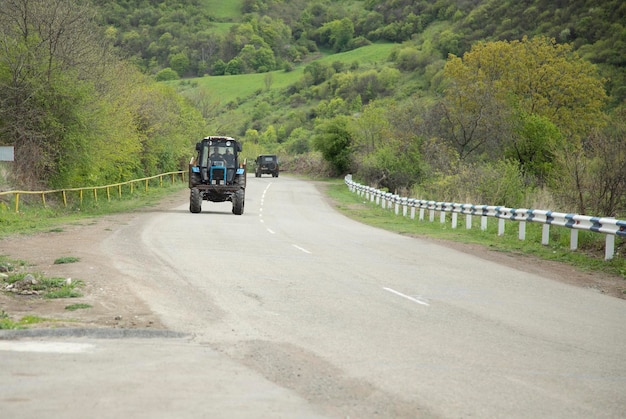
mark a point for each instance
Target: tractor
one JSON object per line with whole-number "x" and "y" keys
{"x": 217, "y": 174}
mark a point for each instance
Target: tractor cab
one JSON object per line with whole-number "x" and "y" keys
{"x": 217, "y": 160}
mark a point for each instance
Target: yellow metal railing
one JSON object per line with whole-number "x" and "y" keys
{"x": 95, "y": 189}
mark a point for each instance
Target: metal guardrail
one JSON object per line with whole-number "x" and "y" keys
{"x": 95, "y": 189}
{"x": 611, "y": 227}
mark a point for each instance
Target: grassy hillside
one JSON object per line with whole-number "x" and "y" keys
{"x": 225, "y": 11}
{"x": 237, "y": 88}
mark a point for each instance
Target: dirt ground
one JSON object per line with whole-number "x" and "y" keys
{"x": 114, "y": 305}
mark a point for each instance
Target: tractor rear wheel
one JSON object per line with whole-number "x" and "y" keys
{"x": 195, "y": 201}
{"x": 238, "y": 202}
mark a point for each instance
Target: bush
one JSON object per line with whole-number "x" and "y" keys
{"x": 493, "y": 183}
{"x": 167, "y": 74}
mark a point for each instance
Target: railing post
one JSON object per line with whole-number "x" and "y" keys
{"x": 483, "y": 222}
{"x": 421, "y": 218}
{"x": 454, "y": 219}
{"x": 522, "y": 230}
{"x": 609, "y": 247}
{"x": 573, "y": 239}
{"x": 468, "y": 221}
{"x": 500, "y": 226}
{"x": 545, "y": 234}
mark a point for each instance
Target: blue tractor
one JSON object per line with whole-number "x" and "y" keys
{"x": 217, "y": 174}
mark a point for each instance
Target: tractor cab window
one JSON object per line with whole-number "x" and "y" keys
{"x": 218, "y": 153}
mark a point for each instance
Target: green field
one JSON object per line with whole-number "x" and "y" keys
{"x": 226, "y": 89}
{"x": 224, "y": 10}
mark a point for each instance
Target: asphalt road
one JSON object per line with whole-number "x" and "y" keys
{"x": 292, "y": 310}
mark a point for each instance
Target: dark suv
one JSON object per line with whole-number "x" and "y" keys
{"x": 266, "y": 164}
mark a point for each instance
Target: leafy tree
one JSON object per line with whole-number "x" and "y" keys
{"x": 167, "y": 74}
{"x": 337, "y": 34}
{"x": 533, "y": 77}
{"x": 219, "y": 68}
{"x": 52, "y": 59}
{"x": 333, "y": 140}
{"x": 179, "y": 62}
{"x": 534, "y": 145}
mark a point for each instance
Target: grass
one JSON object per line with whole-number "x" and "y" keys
{"x": 34, "y": 218}
{"x": 74, "y": 307}
{"x": 66, "y": 259}
{"x": 589, "y": 257}
{"x": 37, "y": 284}
{"x": 6, "y": 323}
{"x": 224, "y": 10}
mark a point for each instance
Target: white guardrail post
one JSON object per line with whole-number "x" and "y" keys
{"x": 608, "y": 226}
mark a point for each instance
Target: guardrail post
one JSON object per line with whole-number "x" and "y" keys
{"x": 413, "y": 212}
{"x": 396, "y": 205}
{"x": 421, "y": 214}
{"x": 454, "y": 219}
{"x": 483, "y": 222}
{"x": 404, "y": 206}
{"x": 573, "y": 239}
{"x": 442, "y": 217}
{"x": 522, "y": 230}
{"x": 609, "y": 247}
{"x": 500, "y": 226}
{"x": 545, "y": 234}
{"x": 468, "y": 221}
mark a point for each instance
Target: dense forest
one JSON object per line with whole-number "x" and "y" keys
{"x": 517, "y": 103}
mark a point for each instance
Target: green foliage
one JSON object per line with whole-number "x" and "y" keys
{"x": 79, "y": 306}
{"x": 66, "y": 259}
{"x": 167, "y": 74}
{"x": 535, "y": 145}
{"x": 490, "y": 183}
{"x": 333, "y": 140}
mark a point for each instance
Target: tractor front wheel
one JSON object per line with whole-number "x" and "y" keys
{"x": 238, "y": 202}
{"x": 195, "y": 201}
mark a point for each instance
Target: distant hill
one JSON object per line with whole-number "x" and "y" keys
{"x": 196, "y": 37}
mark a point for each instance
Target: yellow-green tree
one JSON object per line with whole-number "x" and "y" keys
{"x": 532, "y": 77}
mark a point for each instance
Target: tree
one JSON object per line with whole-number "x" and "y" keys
{"x": 333, "y": 140}
{"x": 179, "y": 62}
{"x": 497, "y": 80}
{"x": 52, "y": 64}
